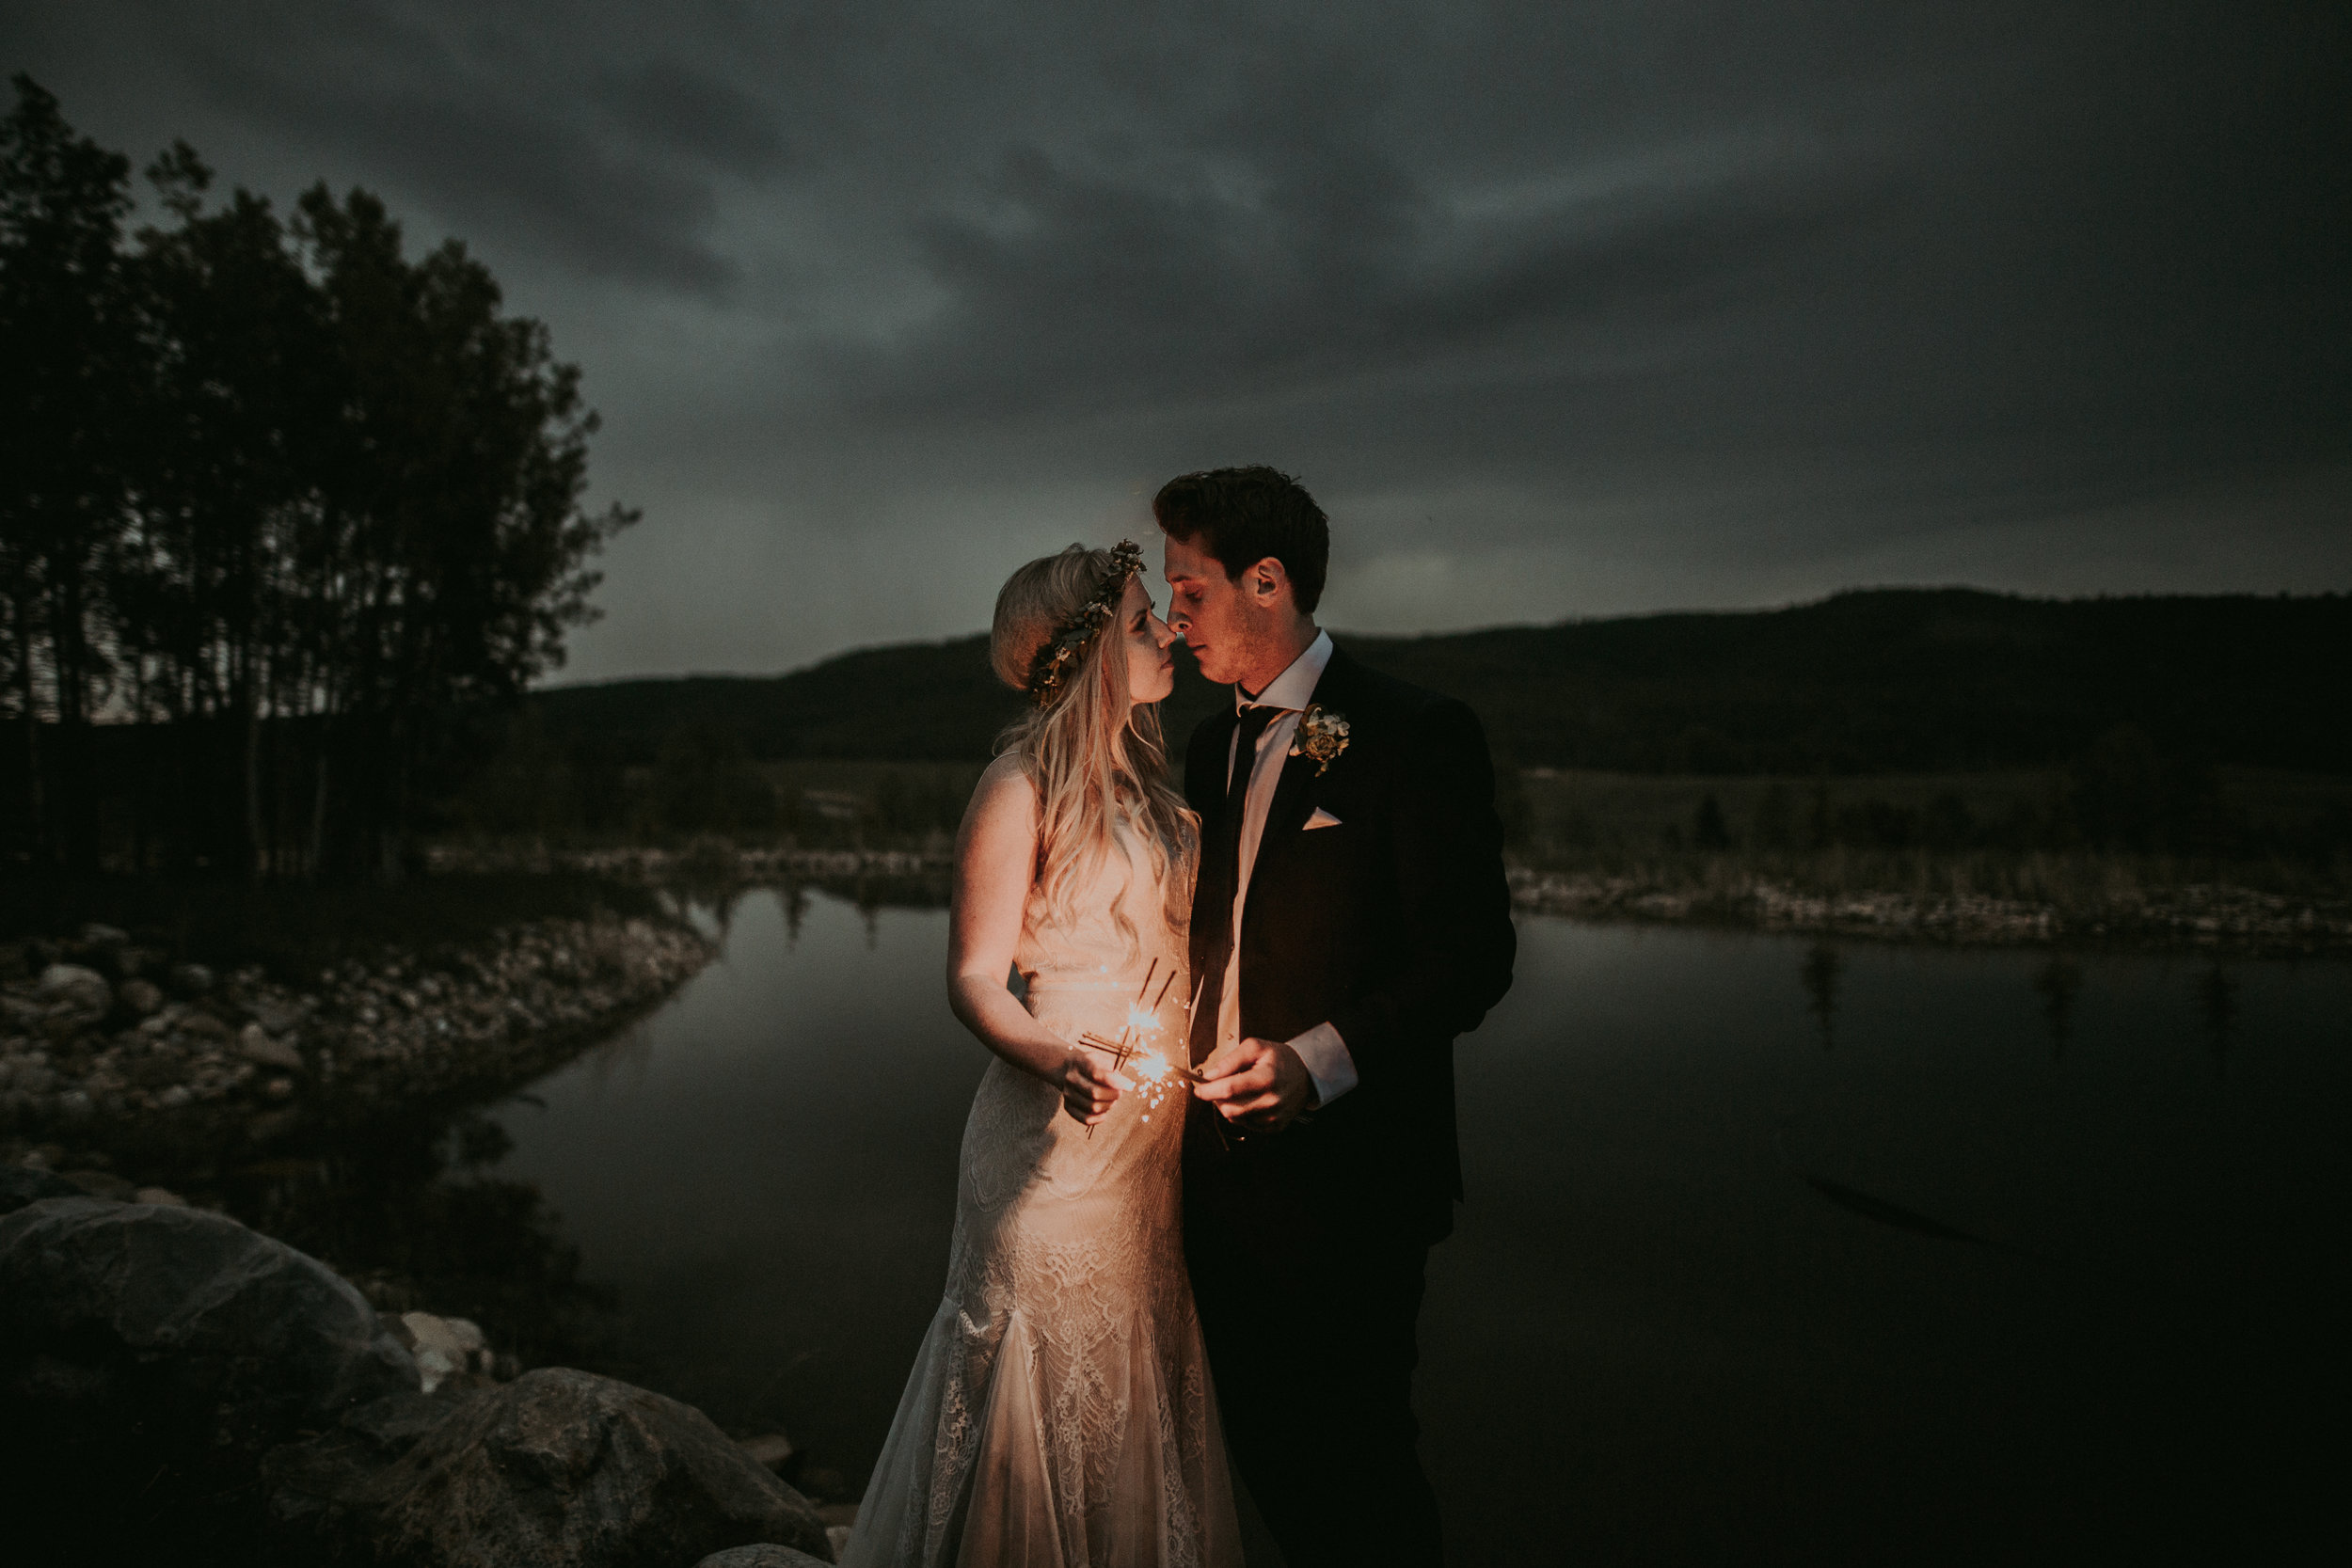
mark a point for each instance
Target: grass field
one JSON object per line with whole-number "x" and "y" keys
{"x": 1925, "y": 834}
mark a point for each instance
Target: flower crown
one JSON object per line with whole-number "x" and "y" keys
{"x": 1053, "y": 655}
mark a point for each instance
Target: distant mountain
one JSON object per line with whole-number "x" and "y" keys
{"x": 1880, "y": 680}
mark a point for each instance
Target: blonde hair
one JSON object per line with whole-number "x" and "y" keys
{"x": 1093, "y": 753}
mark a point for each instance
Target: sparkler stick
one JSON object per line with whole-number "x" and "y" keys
{"x": 1128, "y": 1048}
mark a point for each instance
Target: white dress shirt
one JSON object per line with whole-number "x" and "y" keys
{"x": 1320, "y": 1048}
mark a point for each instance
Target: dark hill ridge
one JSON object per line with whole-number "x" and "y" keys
{"x": 1868, "y": 681}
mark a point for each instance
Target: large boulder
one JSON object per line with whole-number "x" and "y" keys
{"x": 124, "y": 1317}
{"x": 150, "y": 1355}
{"x": 762, "y": 1556}
{"x": 314, "y": 1484}
{"x": 560, "y": 1469}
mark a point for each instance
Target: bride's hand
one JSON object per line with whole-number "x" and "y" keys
{"x": 1087, "y": 1088}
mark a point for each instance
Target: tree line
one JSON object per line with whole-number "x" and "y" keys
{"x": 1879, "y": 681}
{"x": 279, "y": 505}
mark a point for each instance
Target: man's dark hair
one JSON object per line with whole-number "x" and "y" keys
{"x": 1242, "y": 516}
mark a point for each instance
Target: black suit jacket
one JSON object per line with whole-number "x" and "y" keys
{"x": 1394, "y": 927}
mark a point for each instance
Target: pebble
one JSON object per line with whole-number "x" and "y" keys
{"x": 254, "y": 1045}
{"x": 84, "y": 991}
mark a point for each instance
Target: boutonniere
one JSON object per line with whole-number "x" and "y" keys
{"x": 1322, "y": 734}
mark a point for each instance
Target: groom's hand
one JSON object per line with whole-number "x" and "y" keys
{"x": 1260, "y": 1085}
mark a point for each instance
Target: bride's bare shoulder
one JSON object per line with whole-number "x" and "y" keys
{"x": 1005, "y": 778}
{"x": 1005, "y": 800}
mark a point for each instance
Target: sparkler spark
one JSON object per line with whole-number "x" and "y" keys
{"x": 1153, "y": 1075}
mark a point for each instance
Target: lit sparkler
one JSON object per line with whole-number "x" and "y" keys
{"x": 1155, "y": 1077}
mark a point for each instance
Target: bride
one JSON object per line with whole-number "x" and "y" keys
{"x": 1059, "y": 1411}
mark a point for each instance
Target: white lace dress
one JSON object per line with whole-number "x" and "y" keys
{"x": 1059, "y": 1411}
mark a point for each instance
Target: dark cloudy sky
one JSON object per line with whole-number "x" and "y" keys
{"x": 1559, "y": 309}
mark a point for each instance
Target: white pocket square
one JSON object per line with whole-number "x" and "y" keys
{"x": 1320, "y": 819}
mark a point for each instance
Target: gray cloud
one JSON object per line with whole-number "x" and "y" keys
{"x": 470, "y": 110}
{"x": 669, "y": 104}
{"x": 1560, "y": 308}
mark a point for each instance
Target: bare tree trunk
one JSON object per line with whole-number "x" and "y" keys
{"x": 70, "y": 655}
{"x": 142, "y": 766}
{"x": 317, "y": 809}
{"x": 255, "y": 844}
{"x": 35, "y": 789}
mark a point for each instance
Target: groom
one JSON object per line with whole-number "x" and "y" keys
{"x": 1350, "y": 919}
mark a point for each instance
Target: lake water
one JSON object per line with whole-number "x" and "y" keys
{"x": 1773, "y": 1251}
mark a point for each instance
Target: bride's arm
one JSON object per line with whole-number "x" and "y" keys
{"x": 995, "y": 859}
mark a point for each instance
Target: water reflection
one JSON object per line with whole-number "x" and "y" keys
{"x": 2217, "y": 1007}
{"x": 410, "y": 1209}
{"x": 1819, "y": 975}
{"x": 2058, "y": 980}
{"x": 1712, "y": 1287}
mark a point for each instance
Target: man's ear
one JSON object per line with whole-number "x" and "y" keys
{"x": 1266, "y": 581}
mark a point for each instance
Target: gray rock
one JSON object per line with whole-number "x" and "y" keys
{"x": 191, "y": 979}
{"x": 445, "y": 1349}
{"x": 560, "y": 1469}
{"x": 159, "y": 1195}
{"x": 393, "y": 1423}
{"x": 83, "y": 991}
{"x": 275, "y": 1016}
{"x": 95, "y": 935}
{"x": 20, "y": 1187}
{"x": 762, "y": 1556}
{"x": 312, "y": 1483}
{"x": 255, "y": 1045}
{"x": 178, "y": 1325}
{"x": 771, "y": 1451}
{"x": 196, "y": 1021}
{"x": 143, "y": 997}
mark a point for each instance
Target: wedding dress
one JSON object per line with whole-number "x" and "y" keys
{"x": 1059, "y": 1412}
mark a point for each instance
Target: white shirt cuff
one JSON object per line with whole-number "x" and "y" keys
{"x": 1327, "y": 1061}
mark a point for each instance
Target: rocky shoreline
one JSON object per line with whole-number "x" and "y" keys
{"x": 101, "y": 1037}
{"x": 2199, "y": 916}
{"x": 2206, "y": 916}
{"x": 173, "y": 1382}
